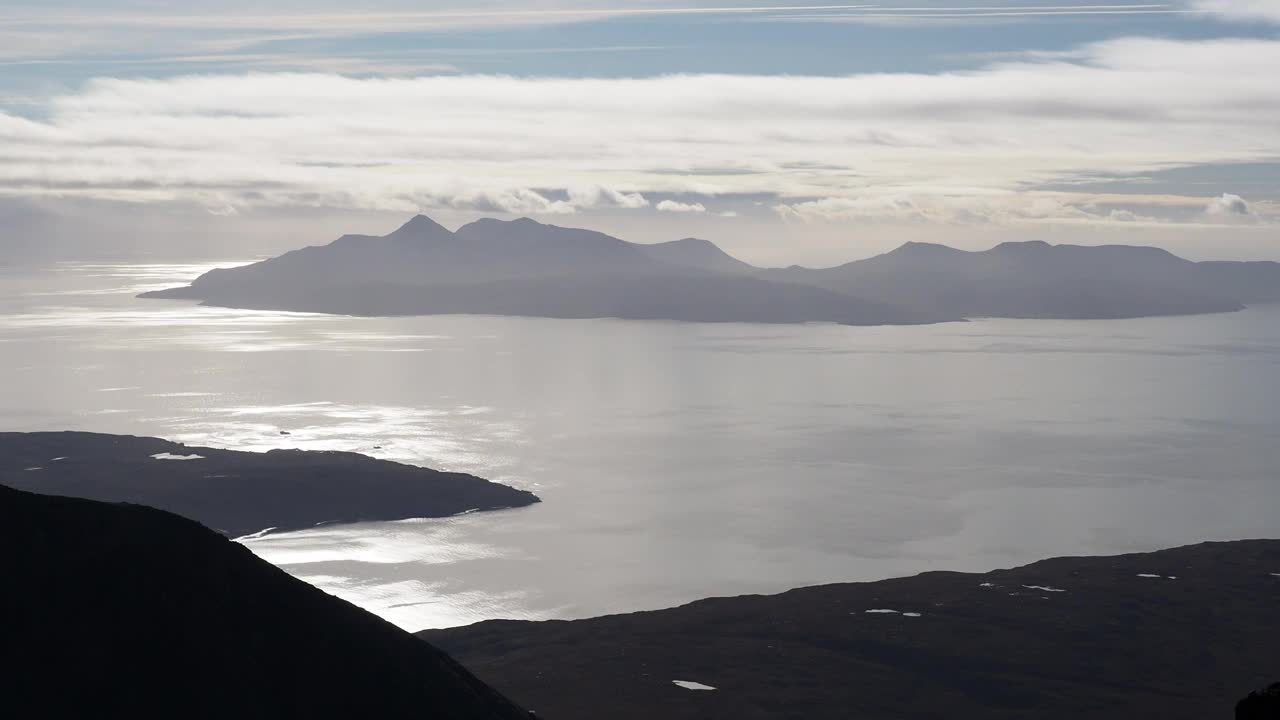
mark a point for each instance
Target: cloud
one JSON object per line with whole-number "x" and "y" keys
{"x": 1240, "y": 10}
{"x": 950, "y": 14}
{"x": 946, "y": 147}
{"x": 516, "y": 201}
{"x": 55, "y": 30}
{"x": 1124, "y": 216}
{"x": 679, "y": 207}
{"x": 597, "y": 196}
{"x": 1228, "y": 205}
{"x": 1009, "y": 209}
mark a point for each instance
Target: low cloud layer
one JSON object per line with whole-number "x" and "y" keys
{"x": 932, "y": 146}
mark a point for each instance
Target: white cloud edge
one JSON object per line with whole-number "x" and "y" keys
{"x": 675, "y": 206}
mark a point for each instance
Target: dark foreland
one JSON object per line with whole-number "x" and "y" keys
{"x": 1176, "y": 634}
{"x": 120, "y": 611}
{"x": 523, "y": 267}
{"x": 238, "y": 493}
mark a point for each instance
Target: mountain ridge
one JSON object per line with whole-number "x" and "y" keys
{"x": 524, "y": 267}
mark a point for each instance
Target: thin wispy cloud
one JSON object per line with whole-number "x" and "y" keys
{"x": 908, "y": 15}
{"x": 98, "y": 30}
{"x": 375, "y": 20}
{"x": 1240, "y": 10}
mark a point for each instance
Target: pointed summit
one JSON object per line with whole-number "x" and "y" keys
{"x": 1021, "y": 246}
{"x": 420, "y": 227}
{"x": 923, "y": 249}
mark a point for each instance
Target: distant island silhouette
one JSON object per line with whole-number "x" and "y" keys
{"x": 240, "y": 493}
{"x": 523, "y": 267}
{"x": 1038, "y": 280}
{"x": 115, "y": 610}
{"x": 1181, "y": 634}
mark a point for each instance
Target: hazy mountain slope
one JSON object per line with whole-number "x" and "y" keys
{"x": 422, "y": 252}
{"x": 127, "y": 611}
{"x": 238, "y": 493}
{"x": 1179, "y": 634}
{"x": 1028, "y": 280}
{"x": 709, "y": 298}
{"x": 523, "y": 267}
{"x": 696, "y": 253}
{"x": 528, "y": 249}
{"x": 1250, "y": 281}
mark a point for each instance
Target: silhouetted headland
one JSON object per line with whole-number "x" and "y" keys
{"x": 115, "y": 611}
{"x": 239, "y": 493}
{"x": 523, "y": 267}
{"x": 1039, "y": 280}
{"x": 1180, "y": 634}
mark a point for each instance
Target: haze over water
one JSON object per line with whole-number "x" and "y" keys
{"x": 679, "y": 461}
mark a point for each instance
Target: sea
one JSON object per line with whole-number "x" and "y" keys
{"x": 677, "y": 461}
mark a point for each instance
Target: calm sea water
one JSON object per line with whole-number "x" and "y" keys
{"x": 679, "y": 461}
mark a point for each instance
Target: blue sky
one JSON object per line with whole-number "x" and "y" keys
{"x": 785, "y": 131}
{"x": 807, "y": 42}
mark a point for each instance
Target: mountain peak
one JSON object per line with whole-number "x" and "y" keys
{"x": 923, "y": 248}
{"x": 520, "y": 223}
{"x": 695, "y": 253}
{"x": 1022, "y": 246}
{"x": 420, "y": 226}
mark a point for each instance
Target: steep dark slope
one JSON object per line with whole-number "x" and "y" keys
{"x": 522, "y": 267}
{"x": 1029, "y": 280}
{"x": 126, "y": 611}
{"x": 1179, "y": 634}
{"x": 238, "y": 493}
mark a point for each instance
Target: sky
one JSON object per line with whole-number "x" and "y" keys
{"x": 811, "y": 133}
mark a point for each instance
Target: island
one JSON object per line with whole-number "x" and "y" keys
{"x": 1038, "y": 280}
{"x": 523, "y": 267}
{"x": 241, "y": 493}
{"x": 527, "y": 268}
{"x": 115, "y": 610}
{"x": 1180, "y": 634}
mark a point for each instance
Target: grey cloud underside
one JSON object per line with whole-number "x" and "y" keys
{"x": 523, "y": 267}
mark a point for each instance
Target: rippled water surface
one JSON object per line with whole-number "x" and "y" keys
{"x": 678, "y": 461}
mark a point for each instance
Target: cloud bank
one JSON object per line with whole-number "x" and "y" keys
{"x": 931, "y": 146}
